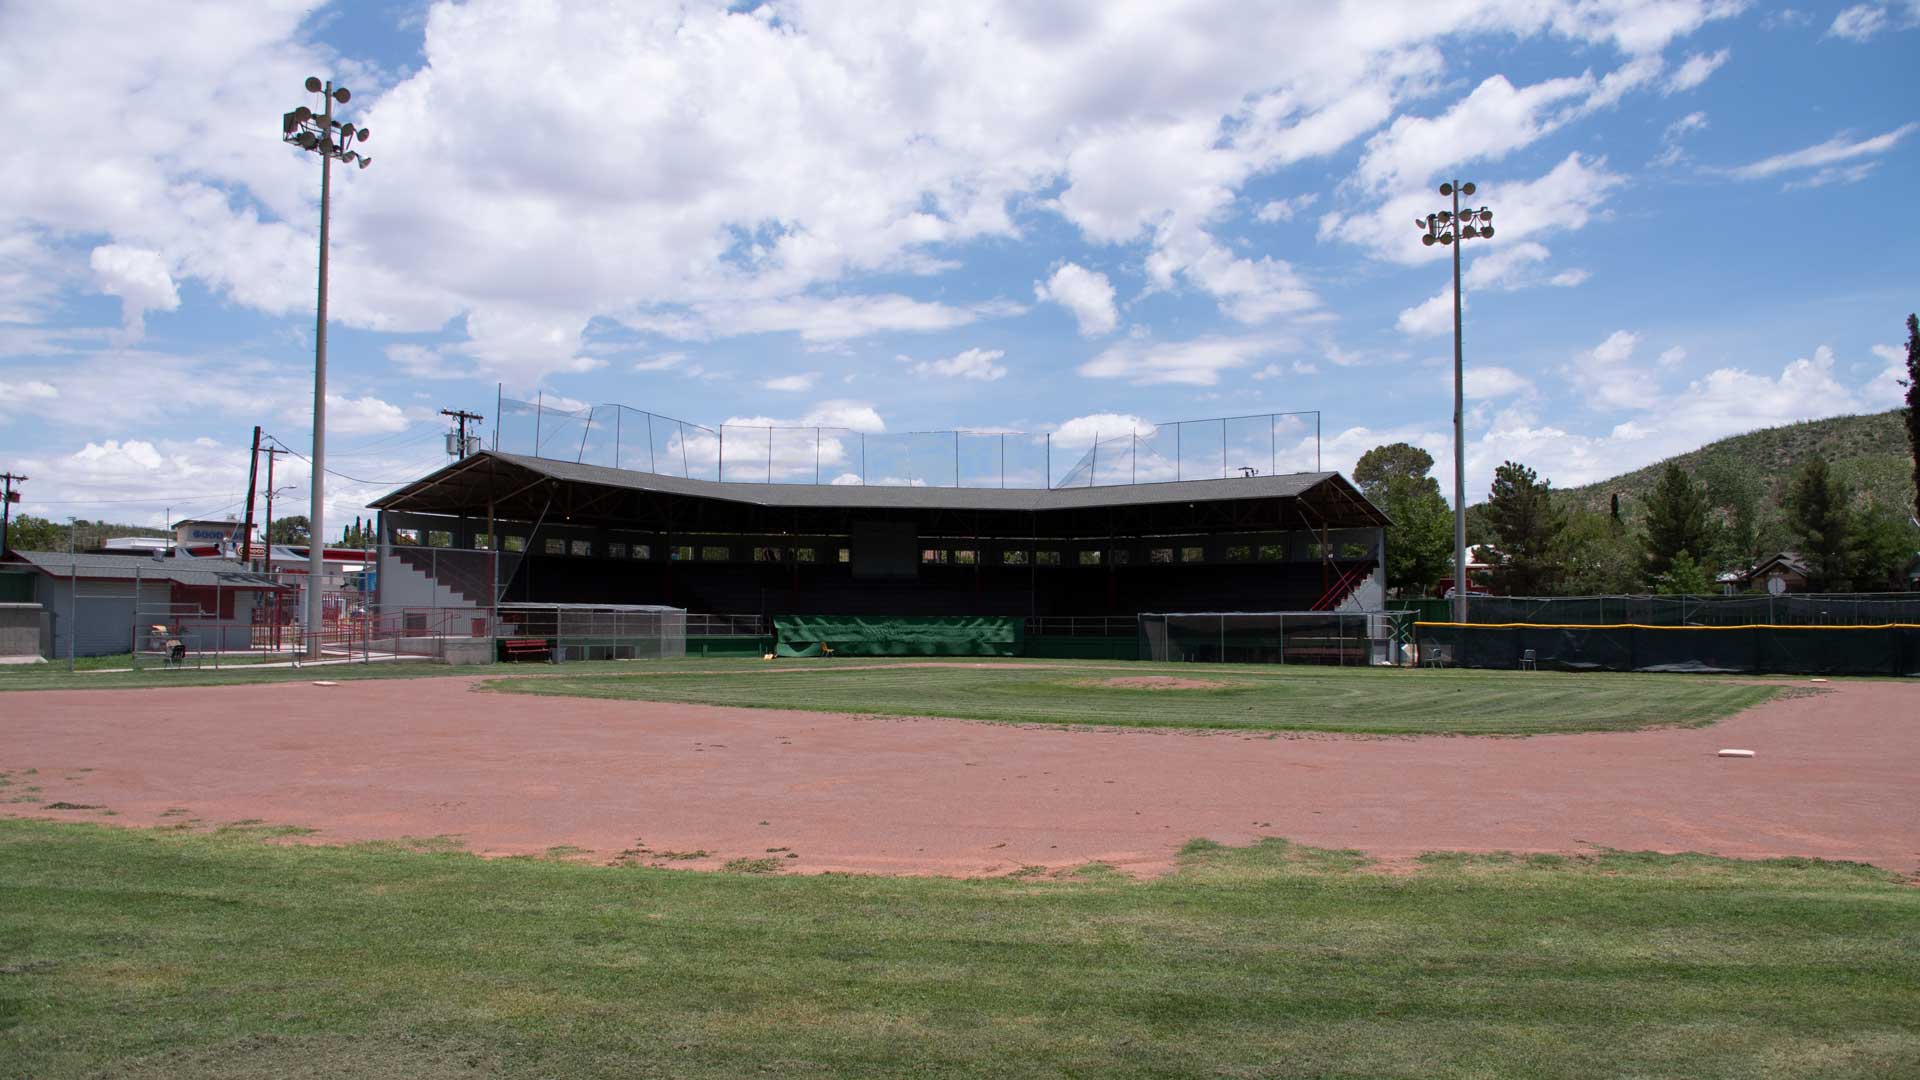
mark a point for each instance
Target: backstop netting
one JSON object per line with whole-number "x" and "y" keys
{"x": 1267, "y": 637}
{"x": 598, "y": 631}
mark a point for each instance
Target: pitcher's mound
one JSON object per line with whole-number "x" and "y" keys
{"x": 1156, "y": 682}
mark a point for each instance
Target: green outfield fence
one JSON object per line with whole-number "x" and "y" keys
{"x": 1790, "y": 609}
{"x": 1753, "y": 649}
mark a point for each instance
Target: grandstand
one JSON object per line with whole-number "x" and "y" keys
{"x": 573, "y": 533}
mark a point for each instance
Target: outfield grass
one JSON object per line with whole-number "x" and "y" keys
{"x": 1262, "y": 697}
{"x": 146, "y": 953}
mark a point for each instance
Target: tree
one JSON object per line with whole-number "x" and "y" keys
{"x": 1676, "y": 522}
{"x": 291, "y": 529}
{"x": 1685, "y": 577}
{"x": 1880, "y": 548}
{"x": 29, "y": 533}
{"x": 1598, "y": 556}
{"x": 1526, "y": 528}
{"x": 1817, "y": 510}
{"x": 1913, "y": 403}
{"x": 1420, "y": 540}
{"x": 1735, "y": 499}
{"x": 1384, "y": 463}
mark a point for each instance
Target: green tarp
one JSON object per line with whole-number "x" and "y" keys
{"x": 899, "y": 635}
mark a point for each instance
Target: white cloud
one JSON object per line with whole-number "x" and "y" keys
{"x": 1567, "y": 197}
{"x": 1832, "y": 174}
{"x": 1885, "y": 389}
{"x": 1671, "y": 150}
{"x": 773, "y": 160}
{"x": 1696, "y": 70}
{"x": 1859, "y": 22}
{"x": 976, "y": 364}
{"x": 1503, "y": 268}
{"x": 1724, "y": 402}
{"x": 1082, "y": 430}
{"x": 1432, "y": 316}
{"x": 363, "y": 415}
{"x": 850, "y": 415}
{"x": 815, "y": 319}
{"x": 420, "y": 362}
{"x": 1198, "y": 362}
{"x": 139, "y": 277}
{"x": 1086, "y": 293}
{"x": 1284, "y": 209}
{"x": 1838, "y": 149}
{"x": 1673, "y": 357}
{"x": 1488, "y": 382}
{"x": 1608, "y": 377}
{"x": 797, "y": 383}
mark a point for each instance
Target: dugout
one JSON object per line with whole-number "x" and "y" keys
{"x": 572, "y": 533}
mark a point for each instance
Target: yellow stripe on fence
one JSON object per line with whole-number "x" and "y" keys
{"x": 1643, "y": 626}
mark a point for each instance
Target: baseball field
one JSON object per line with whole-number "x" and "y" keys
{"x": 833, "y": 868}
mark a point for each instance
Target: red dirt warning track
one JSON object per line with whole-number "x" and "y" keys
{"x": 1835, "y": 778}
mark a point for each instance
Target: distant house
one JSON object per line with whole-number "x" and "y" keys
{"x": 1787, "y": 569}
{"x": 102, "y": 604}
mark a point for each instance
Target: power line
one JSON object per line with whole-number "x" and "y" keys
{"x": 333, "y": 472}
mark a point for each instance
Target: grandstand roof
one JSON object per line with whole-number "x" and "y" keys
{"x": 463, "y": 486}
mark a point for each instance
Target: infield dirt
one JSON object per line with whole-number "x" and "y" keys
{"x": 508, "y": 774}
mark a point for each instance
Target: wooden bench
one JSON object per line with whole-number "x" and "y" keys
{"x": 521, "y": 648}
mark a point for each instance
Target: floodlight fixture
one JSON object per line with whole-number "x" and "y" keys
{"x": 313, "y": 84}
{"x": 1465, "y": 189}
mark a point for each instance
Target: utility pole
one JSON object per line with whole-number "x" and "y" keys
{"x": 246, "y": 529}
{"x": 267, "y": 535}
{"x": 1454, "y": 228}
{"x": 461, "y": 416}
{"x": 271, "y": 452}
{"x": 6, "y": 507}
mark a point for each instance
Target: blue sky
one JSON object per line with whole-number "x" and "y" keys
{"x": 1065, "y": 218}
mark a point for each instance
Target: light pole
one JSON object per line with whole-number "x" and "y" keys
{"x": 1454, "y": 228}
{"x": 327, "y": 137}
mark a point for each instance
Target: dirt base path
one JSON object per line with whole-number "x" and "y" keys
{"x": 1834, "y": 778}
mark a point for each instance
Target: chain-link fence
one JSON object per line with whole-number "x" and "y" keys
{"x": 567, "y": 632}
{"x": 1134, "y": 453}
{"x": 1277, "y": 637}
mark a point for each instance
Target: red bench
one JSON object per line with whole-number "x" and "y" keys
{"x": 521, "y": 648}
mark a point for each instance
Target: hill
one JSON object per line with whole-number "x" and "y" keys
{"x": 1869, "y": 452}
